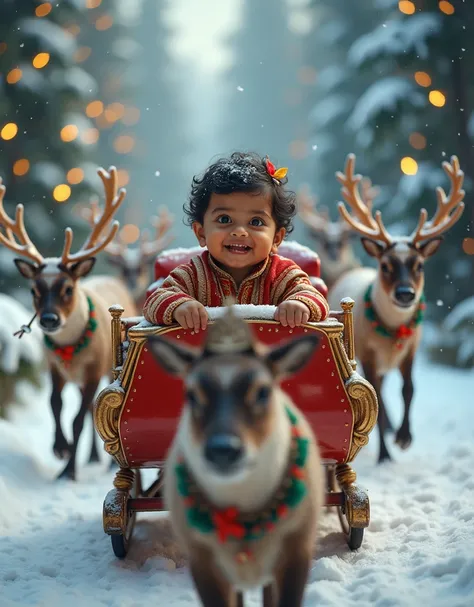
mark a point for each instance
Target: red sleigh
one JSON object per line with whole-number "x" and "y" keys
{"x": 137, "y": 415}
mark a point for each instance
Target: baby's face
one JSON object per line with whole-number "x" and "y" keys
{"x": 239, "y": 231}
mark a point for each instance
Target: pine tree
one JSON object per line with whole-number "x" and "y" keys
{"x": 42, "y": 98}
{"x": 419, "y": 115}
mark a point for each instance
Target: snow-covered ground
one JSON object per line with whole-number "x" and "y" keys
{"x": 418, "y": 549}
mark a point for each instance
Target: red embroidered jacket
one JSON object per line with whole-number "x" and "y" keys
{"x": 275, "y": 280}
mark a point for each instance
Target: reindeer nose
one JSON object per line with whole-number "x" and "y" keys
{"x": 404, "y": 294}
{"x": 49, "y": 320}
{"x": 223, "y": 450}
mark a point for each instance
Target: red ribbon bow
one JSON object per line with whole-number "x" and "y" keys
{"x": 65, "y": 353}
{"x": 227, "y": 525}
{"x": 404, "y": 332}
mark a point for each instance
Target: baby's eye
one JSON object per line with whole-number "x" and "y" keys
{"x": 224, "y": 219}
{"x": 256, "y": 222}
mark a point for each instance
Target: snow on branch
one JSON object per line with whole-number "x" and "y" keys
{"x": 388, "y": 94}
{"x": 329, "y": 110}
{"x": 398, "y": 37}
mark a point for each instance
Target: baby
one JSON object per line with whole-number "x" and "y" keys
{"x": 240, "y": 211}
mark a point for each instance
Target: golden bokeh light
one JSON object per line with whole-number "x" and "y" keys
{"x": 9, "y": 131}
{"x": 14, "y": 75}
{"x": 69, "y": 132}
{"x": 93, "y": 3}
{"x": 3, "y": 47}
{"x": 94, "y": 109}
{"x": 124, "y": 144}
{"x": 468, "y": 246}
{"x": 61, "y": 192}
{"x": 131, "y": 116}
{"x": 41, "y": 60}
{"x": 307, "y": 75}
{"x": 90, "y": 136}
{"x": 406, "y": 7}
{"x": 417, "y": 141}
{"x": 446, "y": 7}
{"x": 21, "y": 167}
{"x": 130, "y": 233}
{"x": 82, "y": 54}
{"x": 422, "y": 78}
{"x": 104, "y": 23}
{"x": 75, "y": 175}
{"x": 298, "y": 149}
{"x": 409, "y": 166}
{"x": 102, "y": 121}
{"x": 73, "y": 29}
{"x": 437, "y": 98}
{"x": 43, "y": 9}
{"x": 123, "y": 178}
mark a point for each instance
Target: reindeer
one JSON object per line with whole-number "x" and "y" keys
{"x": 335, "y": 237}
{"x": 389, "y": 300}
{"x": 134, "y": 263}
{"x": 244, "y": 482}
{"x": 73, "y": 313}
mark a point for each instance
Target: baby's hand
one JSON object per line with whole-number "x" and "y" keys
{"x": 292, "y": 313}
{"x": 191, "y": 315}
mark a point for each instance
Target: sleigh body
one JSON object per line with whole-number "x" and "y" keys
{"x": 137, "y": 415}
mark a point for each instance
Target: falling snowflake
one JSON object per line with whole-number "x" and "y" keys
{"x": 157, "y": 173}
{"x": 439, "y": 302}
{"x": 315, "y": 147}
{"x": 240, "y": 88}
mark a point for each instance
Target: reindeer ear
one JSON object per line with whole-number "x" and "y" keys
{"x": 292, "y": 356}
{"x": 430, "y": 247}
{"x": 81, "y": 268}
{"x": 27, "y": 269}
{"x": 174, "y": 359}
{"x": 372, "y": 247}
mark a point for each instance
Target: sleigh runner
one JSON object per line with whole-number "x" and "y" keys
{"x": 137, "y": 415}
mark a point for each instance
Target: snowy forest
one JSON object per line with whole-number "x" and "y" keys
{"x": 158, "y": 88}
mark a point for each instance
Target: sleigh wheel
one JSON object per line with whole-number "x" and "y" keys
{"x": 120, "y": 541}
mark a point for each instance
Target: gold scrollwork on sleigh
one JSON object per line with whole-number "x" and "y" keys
{"x": 365, "y": 410}
{"x": 106, "y": 418}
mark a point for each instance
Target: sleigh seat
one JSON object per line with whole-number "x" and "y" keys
{"x": 137, "y": 415}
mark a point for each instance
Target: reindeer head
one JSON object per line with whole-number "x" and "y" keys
{"x": 134, "y": 263}
{"x": 401, "y": 258}
{"x": 231, "y": 402}
{"x": 53, "y": 280}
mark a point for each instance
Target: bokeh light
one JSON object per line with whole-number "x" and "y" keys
{"x": 422, "y": 78}
{"x": 14, "y": 75}
{"x": 409, "y": 165}
{"x": 21, "y": 167}
{"x": 61, "y": 192}
{"x": 406, "y": 7}
{"x": 9, "y": 131}
{"x": 130, "y": 233}
{"x": 41, "y": 60}
{"x": 69, "y": 132}
{"x": 437, "y": 98}
{"x": 75, "y": 175}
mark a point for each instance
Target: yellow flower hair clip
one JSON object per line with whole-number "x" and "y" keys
{"x": 276, "y": 174}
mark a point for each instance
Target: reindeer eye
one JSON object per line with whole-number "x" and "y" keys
{"x": 419, "y": 267}
{"x": 384, "y": 267}
{"x": 68, "y": 291}
{"x": 34, "y": 293}
{"x": 262, "y": 395}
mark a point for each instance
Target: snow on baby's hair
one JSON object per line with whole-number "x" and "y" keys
{"x": 229, "y": 169}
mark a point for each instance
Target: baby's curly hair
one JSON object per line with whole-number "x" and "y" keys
{"x": 241, "y": 172}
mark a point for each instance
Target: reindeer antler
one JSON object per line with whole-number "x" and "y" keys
{"x": 162, "y": 223}
{"x": 316, "y": 220}
{"x": 449, "y": 208}
{"x": 16, "y": 238}
{"x": 99, "y": 221}
{"x": 363, "y": 222}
